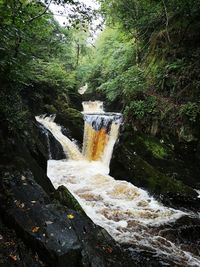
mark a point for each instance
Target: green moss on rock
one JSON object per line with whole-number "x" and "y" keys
{"x": 147, "y": 176}
{"x": 137, "y": 159}
{"x": 50, "y": 109}
{"x": 67, "y": 199}
{"x": 157, "y": 149}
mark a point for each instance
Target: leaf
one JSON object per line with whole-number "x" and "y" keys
{"x": 23, "y": 178}
{"x": 35, "y": 229}
{"x": 70, "y": 216}
{"x": 13, "y": 257}
{"x": 109, "y": 250}
{"x": 48, "y": 222}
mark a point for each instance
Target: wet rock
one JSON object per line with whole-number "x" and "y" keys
{"x": 25, "y": 150}
{"x": 53, "y": 147}
{"x": 149, "y": 163}
{"x": 13, "y": 252}
{"x": 180, "y": 201}
{"x": 127, "y": 164}
{"x": 60, "y": 236}
{"x": 67, "y": 199}
{"x": 184, "y": 232}
{"x": 72, "y": 120}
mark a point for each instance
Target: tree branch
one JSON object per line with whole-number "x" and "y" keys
{"x": 41, "y": 14}
{"x": 167, "y": 21}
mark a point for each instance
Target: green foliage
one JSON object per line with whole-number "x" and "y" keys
{"x": 146, "y": 61}
{"x": 12, "y": 111}
{"x": 141, "y": 108}
{"x": 53, "y": 73}
{"x": 113, "y": 72}
{"x": 158, "y": 150}
{"x": 35, "y": 52}
{"x": 145, "y": 18}
{"x": 191, "y": 110}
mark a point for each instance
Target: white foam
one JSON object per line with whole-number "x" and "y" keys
{"x": 70, "y": 149}
{"x": 93, "y": 106}
{"x": 127, "y": 212}
{"x": 124, "y": 210}
{"x": 198, "y": 192}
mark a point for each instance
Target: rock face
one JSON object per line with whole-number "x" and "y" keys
{"x": 13, "y": 252}
{"x": 25, "y": 149}
{"x": 149, "y": 163}
{"x": 61, "y": 236}
{"x": 53, "y": 147}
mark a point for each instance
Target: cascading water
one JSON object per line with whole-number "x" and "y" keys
{"x": 100, "y": 132}
{"x": 69, "y": 148}
{"x": 128, "y": 213}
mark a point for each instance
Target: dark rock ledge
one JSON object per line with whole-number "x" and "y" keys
{"x": 60, "y": 236}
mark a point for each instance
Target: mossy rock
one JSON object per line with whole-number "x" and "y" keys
{"x": 50, "y": 109}
{"x": 66, "y": 198}
{"x": 166, "y": 155}
{"x": 155, "y": 147}
{"x": 157, "y": 182}
{"x": 127, "y": 164}
{"x": 72, "y": 120}
{"x": 74, "y": 115}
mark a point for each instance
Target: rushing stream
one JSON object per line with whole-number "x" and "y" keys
{"x": 127, "y": 212}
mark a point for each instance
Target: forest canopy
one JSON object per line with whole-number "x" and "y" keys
{"x": 144, "y": 63}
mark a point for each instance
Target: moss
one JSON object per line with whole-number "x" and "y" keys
{"x": 127, "y": 164}
{"x": 145, "y": 144}
{"x": 154, "y": 180}
{"x": 66, "y": 198}
{"x": 50, "y": 109}
{"x": 157, "y": 149}
{"x": 73, "y": 114}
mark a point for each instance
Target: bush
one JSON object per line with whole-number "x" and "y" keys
{"x": 141, "y": 108}
{"x": 191, "y": 110}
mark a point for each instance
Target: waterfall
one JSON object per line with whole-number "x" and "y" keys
{"x": 69, "y": 148}
{"x": 128, "y": 213}
{"x": 93, "y": 107}
{"x": 100, "y": 132}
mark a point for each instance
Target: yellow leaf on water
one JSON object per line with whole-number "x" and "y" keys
{"x": 35, "y": 229}
{"x": 70, "y": 216}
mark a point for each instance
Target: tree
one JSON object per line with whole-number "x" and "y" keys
{"x": 34, "y": 50}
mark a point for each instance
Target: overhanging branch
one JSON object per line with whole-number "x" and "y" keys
{"x": 41, "y": 14}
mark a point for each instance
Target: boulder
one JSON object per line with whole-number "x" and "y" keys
{"x": 13, "y": 252}
{"x": 61, "y": 236}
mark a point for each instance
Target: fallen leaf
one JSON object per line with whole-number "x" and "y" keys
{"x": 109, "y": 250}
{"x": 13, "y": 257}
{"x": 35, "y": 229}
{"x": 1, "y": 237}
{"x": 19, "y": 204}
{"x": 23, "y": 178}
{"x": 70, "y": 216}
{"x": 48, "y": 222}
